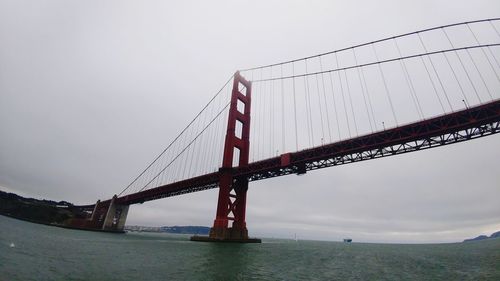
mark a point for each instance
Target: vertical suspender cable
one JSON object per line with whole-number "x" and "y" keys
{"x": 261, "y": 117}
{"x": 335, "y": 105}
{"x": 295, "y": 108}
{"x": 487, "y": 59}
{"x": 343, "y": 98}
{"x": 271, "y": 115}
{"x": 493, "y": 54}
{"x": 409, "y": 82}
{"x": 430, "y": 77}
{"x": 350, "y": 102}
{"x": 320, "y": 110}
{"x": 462, "y": 64}
{"x": 282, "y": 113}
{"x": 326, "y": 101}
{"x": 385, "y": 85}
{"x": 368, "y": 97}
{"x": 306, "y": 95}
{"x": 362, "y": 89}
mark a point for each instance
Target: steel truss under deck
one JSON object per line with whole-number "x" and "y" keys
{"x": 471, "y": 123}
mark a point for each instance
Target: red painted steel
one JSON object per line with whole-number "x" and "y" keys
{"x": 455, "y": 127}
{"x": 231, "y": 206}
{"x": 95, "y": 221}
{"x": 285, "y": 159}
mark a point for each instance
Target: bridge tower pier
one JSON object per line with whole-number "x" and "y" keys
{"x": 115, "y": 216}
{"x": 108, "y": 216}
{"x": 231, "y": 204}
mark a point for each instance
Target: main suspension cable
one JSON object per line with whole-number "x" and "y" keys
{"x": 374, "y": 42}
{"x": 178, "y": 136}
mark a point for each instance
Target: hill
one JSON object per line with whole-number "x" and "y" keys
{"x": 484, "y": 237}
{"x": 34, "y": 210}
{"x": 199, "y": 230}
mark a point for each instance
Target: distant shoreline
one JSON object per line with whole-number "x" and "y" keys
{"x": 189, "y": 229}
{"x": 45, "y": 212}
{"x": 483, "y": 237}
{"x": 54, "y": 213}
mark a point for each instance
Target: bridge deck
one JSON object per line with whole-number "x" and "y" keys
{"x": 451, "y": 128}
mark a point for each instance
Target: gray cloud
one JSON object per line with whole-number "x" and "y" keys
{"x": 91, "y": 91}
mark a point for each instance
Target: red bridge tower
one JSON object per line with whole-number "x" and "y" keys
{"x": 232, "y": 190}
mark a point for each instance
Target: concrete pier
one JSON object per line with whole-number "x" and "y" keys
{"x": 115, "y": 216}
{"x": 227, "y": 235}
{"x": 107, "y": 216}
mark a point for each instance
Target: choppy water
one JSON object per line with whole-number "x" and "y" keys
{"x": 49, "y": 253}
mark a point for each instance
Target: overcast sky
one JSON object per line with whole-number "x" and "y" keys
{"x": 91, "y": 91}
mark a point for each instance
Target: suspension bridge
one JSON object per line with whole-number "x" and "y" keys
{"x": 395, "y": 95}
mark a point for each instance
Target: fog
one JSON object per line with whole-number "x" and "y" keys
{"x": 92, "y": 91}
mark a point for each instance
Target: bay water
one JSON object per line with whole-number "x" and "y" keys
{"x": 38, "y": 252}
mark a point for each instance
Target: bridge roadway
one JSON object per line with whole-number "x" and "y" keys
{"x": 446, "y": 129}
